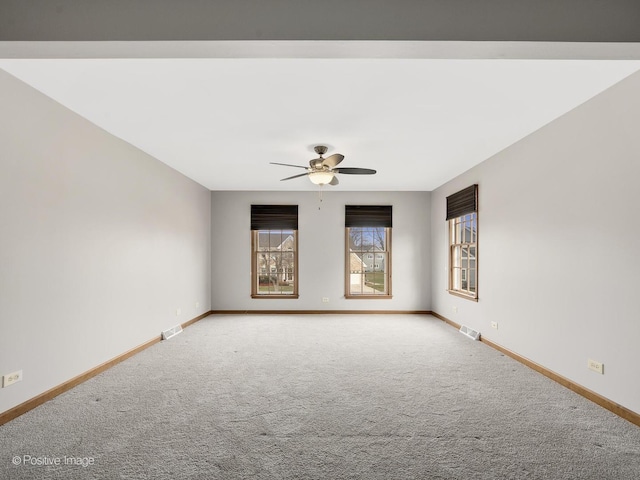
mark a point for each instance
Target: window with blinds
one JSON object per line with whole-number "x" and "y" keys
{"x": 462, "y": 215}
{"x": 368, "y": 251}
{"x": 274, "y": 251}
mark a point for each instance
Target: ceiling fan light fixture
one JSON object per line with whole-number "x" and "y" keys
{"x": 321, "y": 178}
{"x": 322, "y": 171}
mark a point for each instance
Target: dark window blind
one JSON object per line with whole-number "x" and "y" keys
{"x": 274, "y": 217}
{"x": 367, "y": 216}
{"x": 463, "y": 202}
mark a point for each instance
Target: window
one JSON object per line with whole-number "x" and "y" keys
{"x": 462, "y": 215}
{"x": 274, "y": 249}
{"x": 368, "y": 251}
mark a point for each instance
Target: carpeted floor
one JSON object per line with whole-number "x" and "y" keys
{"x": 320, "y": 397}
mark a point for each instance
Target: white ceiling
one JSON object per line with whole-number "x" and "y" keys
{"x": 418, "y": 121}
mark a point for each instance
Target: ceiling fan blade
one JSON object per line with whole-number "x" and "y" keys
{"x": 333, "y": 160}
{"x": 334, "y": 181}
{"x": 287, "y": 165}
{"x": 354, "y": 171}
{"x": 295, "y": 176}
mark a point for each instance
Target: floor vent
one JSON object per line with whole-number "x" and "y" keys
{"x": 172, "y": 332}
{"x": 469, "y": 332}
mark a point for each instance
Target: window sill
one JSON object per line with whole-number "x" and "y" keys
{"x": 462, "y": 295}
{"x": 368, "y": 297}
{"x": 293, "y": 297}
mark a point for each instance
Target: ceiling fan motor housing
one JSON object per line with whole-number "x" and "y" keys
{"x": 320, "y": 149}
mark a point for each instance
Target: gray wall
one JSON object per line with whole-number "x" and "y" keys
{"x": 558, "y": 245}
{"x": 99, "y": 244}
{"x": 321, "y": 250}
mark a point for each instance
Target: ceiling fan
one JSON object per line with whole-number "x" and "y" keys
{"x": 322, "y": 171}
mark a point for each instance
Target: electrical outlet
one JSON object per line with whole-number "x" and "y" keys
{"x": 178, "y": 312}
{"x": 11, "y": 378}
{"x": 494, "y": 325}
{"x": 197, "y": 304}
{"x": 595, "y": 366}
{"x": 325, "y": 299}
{"x": 455, "y": 309}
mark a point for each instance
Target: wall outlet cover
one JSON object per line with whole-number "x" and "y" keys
{"x": 11, "y": 378}
{"x": 597, "y": 367}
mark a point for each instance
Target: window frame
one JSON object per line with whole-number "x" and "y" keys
{"x": 454, "y": 246}
{"x": 388, "y": 277}
{"x": 255, "y": 271}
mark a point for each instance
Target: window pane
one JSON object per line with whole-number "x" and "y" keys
{"x": 262, "y": 240}
{"x": 456, "y": 256}
{"x": 380, "y": 239}
{"x": 452, "y": 232}
{"x": 356, "y": 283}
{"x": 288, "y": 259}
{"x": 472, "y": 280}
{"x": 455, "y": 279}
{"x": 286, "y": 274}
{"x": 367, "y": 239}
{"x": 355, "y": 238}
{"x": 287, "y": 243}
{"x": 262, "y": 262}
{"x": 265, "y": 277}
